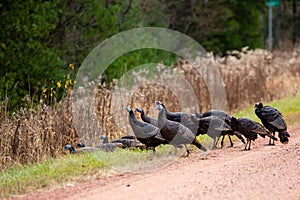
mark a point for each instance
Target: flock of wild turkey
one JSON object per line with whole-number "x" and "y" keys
{"x": 179, "y": 129}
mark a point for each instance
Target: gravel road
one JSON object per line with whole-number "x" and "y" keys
{"x": 265, "y": 172}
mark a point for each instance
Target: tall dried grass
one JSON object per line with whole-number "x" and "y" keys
{"x": 259, "y": 75}
{"x": 33, "y": 135}
{"x": 249, "y": 76}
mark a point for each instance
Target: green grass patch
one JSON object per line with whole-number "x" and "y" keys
{"x": 22, "y": 179}
{"x": 79, "y": 167}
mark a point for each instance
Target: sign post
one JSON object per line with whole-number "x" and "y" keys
{"x": 270, "y": 4}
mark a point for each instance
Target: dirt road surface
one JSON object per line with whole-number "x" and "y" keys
{"x": 265, "y": 172}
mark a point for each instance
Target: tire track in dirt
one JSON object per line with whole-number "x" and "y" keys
{"x": 265, "y": 172}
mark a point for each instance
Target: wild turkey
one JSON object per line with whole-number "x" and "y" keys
{"x": 75, "y": 151}
{"x": 249, "y": 129}
{"x": 144, "y": 132}
{"x": 127, "y": 141}
{"x": 213, "y": 126}
{"x": 181, "y": 117}
{"x": 175, "y": 132}
{"x": 154, "y": 122}
{"x": 107, "y": 147}
{"x": 227, "y": 118}
{"x": 273, "y": 120}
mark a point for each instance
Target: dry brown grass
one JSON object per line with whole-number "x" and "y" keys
{"x": 33, "y": 135}
{"x": 260, "y": 76}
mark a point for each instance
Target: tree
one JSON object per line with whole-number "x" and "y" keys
{"x": 27, "y": 56}
{"x": 218, "y": 26}
{"x": 39, "y": 39}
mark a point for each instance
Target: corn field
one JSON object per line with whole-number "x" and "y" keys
{"x": 32, "y": 135}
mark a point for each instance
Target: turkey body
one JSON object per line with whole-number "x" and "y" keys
{"x": 144, "y": 132}
{"x": 180, "y": 117}
{"x": 227, "y": 119}
{"x": 213, "y": 126}
{"x": 174, "y": 132}
{"x": 250, "y": 129}
{"x": 273, "y": 120}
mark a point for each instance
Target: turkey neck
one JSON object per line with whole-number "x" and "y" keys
{"x": 162, "y": 118}
{"x": 132, "y": 118}
{"x": 257, "y": 112}
{"x": 167, "y": 113}
{"x": 145, "y": 118}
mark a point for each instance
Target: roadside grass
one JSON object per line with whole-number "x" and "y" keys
{"x": 22, "y": 179}
{"x": 86, "y": 166}
{"x": 81, "y": 167}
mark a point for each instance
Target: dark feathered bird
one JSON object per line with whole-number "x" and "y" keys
{"x": 227, "y": 119}
{"x": 154, "y": 122}
{"x": 249, "y": 129}
{"x": 181, "y": 117}
{"x": 81, "y": 150}
{"x": 144, "y": 132}
{"x": 213, "y": 126}
{"x": 273, "y": 120}
{"x": 107, "y": 147}
{"x": 175, "y": 132}
{"x": 128, "y": 141}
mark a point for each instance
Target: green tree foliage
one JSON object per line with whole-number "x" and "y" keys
{"x": 218, "y": 25}
{"x": 26, "y": 55}
{"x": 39, "y": 39}
{"x": 134, "y": 14}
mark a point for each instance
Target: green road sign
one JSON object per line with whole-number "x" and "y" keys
{"x": 273, "y": 2}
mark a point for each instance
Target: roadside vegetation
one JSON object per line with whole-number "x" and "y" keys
{"x": 41, "y": 131}
{"x": 67, "y": 169}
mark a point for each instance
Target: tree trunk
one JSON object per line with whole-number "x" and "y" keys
{"x": 294, "y": 22}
